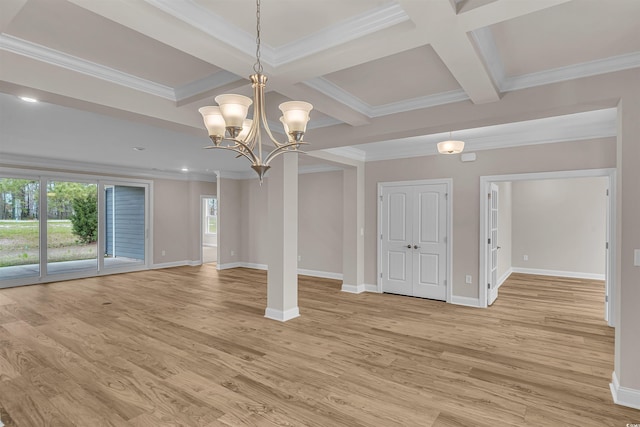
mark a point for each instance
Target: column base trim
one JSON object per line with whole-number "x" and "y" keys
{"x": 281, "y": 316}
{"x": 353, "y": 289}
{"x": 622, "y": 395}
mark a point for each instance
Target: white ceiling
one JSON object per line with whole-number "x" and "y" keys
{"x": 119, "y": 74}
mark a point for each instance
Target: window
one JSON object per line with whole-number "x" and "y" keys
{"x": 211, "y": 215}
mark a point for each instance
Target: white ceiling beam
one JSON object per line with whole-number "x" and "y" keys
{"x": 324, "y": 104}
{"x": 502, "y": 10}
{"x": 438, "y": 22}
{"x": 459, "y": 54}
{"x": 8, "y": 10}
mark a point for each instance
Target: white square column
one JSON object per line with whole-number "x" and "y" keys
{"x": 282, "y": 207}
{"x": 353, "y": 230}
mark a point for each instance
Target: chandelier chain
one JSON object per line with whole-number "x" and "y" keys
{"x": 257, "y": 67}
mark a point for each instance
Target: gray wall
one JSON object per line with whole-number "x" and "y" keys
{"x": 560, "y": 225}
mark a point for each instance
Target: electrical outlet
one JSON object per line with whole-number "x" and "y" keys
{"x": 467, "y": 278}
{"x": 164, "y": 253}
{"x": 525, "y": 257}
{"x": 636, "y": 257}
{"x": 299, "y": 257}
{"x": 233, "y": 253}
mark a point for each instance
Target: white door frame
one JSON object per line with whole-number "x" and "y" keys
{"x": 202, "y": 198}
{"x": 449, "y": 191}
{"x": 610, "y": 173}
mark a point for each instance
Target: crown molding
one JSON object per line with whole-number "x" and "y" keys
{"x": 318, "y": 169}
{"x": 34, "y": 162}
{"x": 573, "y": 127}
{"x": 73, "y": 63}
{"x": 205, "y": 84}
{"x": 436, "y": 99}
{"x": 378, "y": 19}
{"x": 236, "y": 175}
{"x": 571, "y": 72}
{"x": 489, "y": 52}
{"x": 337, "y": 93}
{"x": 352, "y": 153}
{"x": 210, "y": 23}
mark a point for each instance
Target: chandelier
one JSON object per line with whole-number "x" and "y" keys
{"x": 229, "y": 128}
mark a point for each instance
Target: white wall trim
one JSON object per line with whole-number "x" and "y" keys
{"x": 559, "y": 273}
{"x": 622, "y": 395}
{"x": 321, "y": 274}
{"x": 194, "y": 263}
{"x": 353, "y": 289}
{"x": 169, "y": 264}
{"x": 228, "y": 265}
{"x": 371, "y": 288}
{"x": 282, "y": 316}
{"x": 571, "y": 72}
{"x": 466, "y": 301}
{"x": 205, "y": 84}
{"x": 79, "y": 65}
{"x": 504, "y": 277}
{"x": 254, "y": 266}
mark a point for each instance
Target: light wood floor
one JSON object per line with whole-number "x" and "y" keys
{"x": 189, "y": 347}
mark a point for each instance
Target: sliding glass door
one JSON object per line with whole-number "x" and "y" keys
{"x": 19, "y": 228}
{"x": 71, "y": 226}
{"x": 125, "y": 227}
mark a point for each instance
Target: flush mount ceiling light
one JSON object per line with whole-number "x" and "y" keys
{"x": 451, "y": 146}
{"x": 229, "y": 128}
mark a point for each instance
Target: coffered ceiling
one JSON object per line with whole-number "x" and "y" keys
{"x": 146, "y": 66}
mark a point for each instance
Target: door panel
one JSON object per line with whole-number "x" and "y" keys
{"x": 414, "y": 240}
{"x": 398, "y": 217}
{"x": 428, "y": 217}
{"x": 395, "y": 242}
{"x": 492, "y": 295}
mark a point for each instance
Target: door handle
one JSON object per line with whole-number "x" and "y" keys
{"x": 408, "y": 246}
{"x": 416, "y": 247}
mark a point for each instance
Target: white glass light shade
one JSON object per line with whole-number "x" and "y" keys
{"x": 246, "y": 127}
{"x": 295, "y": 115}
{"x": 213, "y": 120}
{"x": 234, "y": 108}
{"x": 286, "y": 130}
{"x": 450, "y": 147}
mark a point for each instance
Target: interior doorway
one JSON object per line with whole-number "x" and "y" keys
{"x": 209, "y": 229}
{"x": 577, "y": 243}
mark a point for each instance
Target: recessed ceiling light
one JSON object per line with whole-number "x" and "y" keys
{"x": 138, "y": 148}
{"x": 185, "y": 169}
{"x": 27, "y": 99}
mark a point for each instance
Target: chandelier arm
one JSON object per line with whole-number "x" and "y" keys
{"x": 241, "y": 148}
{"x": 283, "y": 149}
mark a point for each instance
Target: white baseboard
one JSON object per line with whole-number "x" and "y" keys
{"x": 353, "y": 289}
{"x": 210, "y": 245}
{"x": 304, "y": 272}
{"x": 559, "y": 273}
{"x": 281, "y": 316}
{"x": 194, "y": 263}
{"x": 371, "y": 288}
{"x": 466, "y": 301}
{"x": 254, "y": 266}
{"x": 169, "y": 264}
{"x": 504, "y": 277}
{"x": 622, "y": 395}
{"x": 229, "y": 265}
{"x": 322, "y": 274}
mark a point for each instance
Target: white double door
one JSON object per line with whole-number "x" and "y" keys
{"x": 413, "y": 240}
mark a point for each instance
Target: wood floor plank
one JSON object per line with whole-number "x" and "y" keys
{"x": 190, "y": 346}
